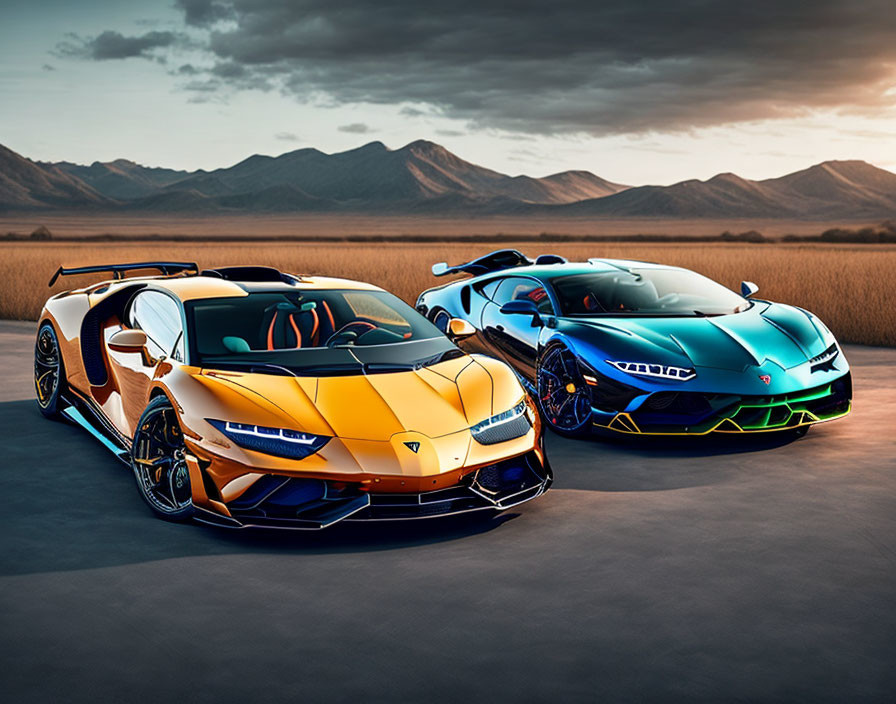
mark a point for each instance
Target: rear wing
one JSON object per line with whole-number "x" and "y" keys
{"x": 496, "y": 261}
{"x": 119, "y": 270}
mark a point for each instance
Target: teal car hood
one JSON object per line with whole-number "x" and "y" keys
{"x": 766, "y": 332}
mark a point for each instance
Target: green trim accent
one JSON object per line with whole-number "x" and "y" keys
{"x": 778, "y": 414}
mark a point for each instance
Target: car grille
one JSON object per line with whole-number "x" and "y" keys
{"x": 281, "y": 501}
{"x": 669, "y": 411}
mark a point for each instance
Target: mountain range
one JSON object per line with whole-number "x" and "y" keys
{"x": 424, "y": 177}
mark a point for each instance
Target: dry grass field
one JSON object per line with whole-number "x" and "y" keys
{"x": 846, "y": 285}
{"x": 341, "y": 225}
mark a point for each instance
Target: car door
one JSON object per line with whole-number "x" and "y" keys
{"x": 515, "y": 337}
{"x": 159, "y": 316}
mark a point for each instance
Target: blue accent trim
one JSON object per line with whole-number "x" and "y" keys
{"x": 75, "y": 415}
{"x": 603, "y": 415}
{"x": 635, "y": 403}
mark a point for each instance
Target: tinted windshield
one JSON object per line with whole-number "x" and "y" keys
{"x": 312, "y": 332}
{"x": 644, "y": 292}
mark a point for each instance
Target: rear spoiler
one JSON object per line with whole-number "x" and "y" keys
{"x": 119, "y": 270}
{"x": 496, "y": 261}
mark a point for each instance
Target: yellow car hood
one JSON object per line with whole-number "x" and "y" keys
{"x": 434, "y": 401}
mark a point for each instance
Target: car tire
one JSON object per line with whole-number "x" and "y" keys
{"x": 567, "y": 413}
{"x": 159, "y": 464}
{"x": 49, "y": 372}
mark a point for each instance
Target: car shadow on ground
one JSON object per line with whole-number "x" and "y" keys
{"x": 66, "y": 503}
{"x": 642, "y": 463}
{"x": 695, "y": 446}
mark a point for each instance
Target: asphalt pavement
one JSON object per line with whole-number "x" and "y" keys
{"x": 711, "y": 570}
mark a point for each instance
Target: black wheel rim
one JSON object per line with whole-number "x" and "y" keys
{"x": 46, "y": 366}
{"x": 159, "y": 464}
{"x": 562, "y": 391}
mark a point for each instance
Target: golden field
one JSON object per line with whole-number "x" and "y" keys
{"x": 310, "y": 226}
{"x": 848, "y": 286}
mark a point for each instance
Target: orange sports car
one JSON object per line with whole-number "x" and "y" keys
{"x": 247, "y": 396}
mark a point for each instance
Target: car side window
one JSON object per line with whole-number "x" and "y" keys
{"x": 158, "y": 316}
{"x": 517, "y": 288}
{"x": 488, "y": 289}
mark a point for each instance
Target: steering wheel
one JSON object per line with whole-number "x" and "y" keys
{"x": 349, "y": 332}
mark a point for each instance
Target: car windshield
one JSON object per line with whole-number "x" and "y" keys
{"x": 644, "y": 292}
{"x": 313, "y": 332}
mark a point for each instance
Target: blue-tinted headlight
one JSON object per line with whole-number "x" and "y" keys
{"x": 281, "y": 442}
{"x": 508, "y": 425}
{"x": 658, "y": 371}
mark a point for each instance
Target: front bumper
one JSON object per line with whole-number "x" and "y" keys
{"x": 278, "y": 501}
{"x": 506, "y": 474}
{"x": 689, "y": 413}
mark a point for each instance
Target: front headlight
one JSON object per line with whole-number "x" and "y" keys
{"x": 503, "y": 426}
{"x": 824, "y": 362}
{"x": 281, "y": 442}
{"x": 657, "y": 371}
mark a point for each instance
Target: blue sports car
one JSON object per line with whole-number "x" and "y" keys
{"x": 640, "y": 348}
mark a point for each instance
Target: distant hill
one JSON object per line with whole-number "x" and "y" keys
{"x": 25, "y": 185}
{"x": 374, "y": 175}
{"x": 833, "y": 189}
{"x": 121, "y": 179}
{"x": 854, "y": 185}
{"x": 424, "y": 177}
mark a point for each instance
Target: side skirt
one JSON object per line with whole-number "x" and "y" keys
{"x": 81, "y": 413}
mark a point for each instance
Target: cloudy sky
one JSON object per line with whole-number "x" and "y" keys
{"x": 649, "y": 91}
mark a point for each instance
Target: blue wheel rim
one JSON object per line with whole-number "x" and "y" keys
{"x": 562, "y": 392}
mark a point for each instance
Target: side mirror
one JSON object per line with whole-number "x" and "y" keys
{"x": 748, "y": 288}
{"x": 131, "y": 341}
{"x": 521, "y": 307}
{"x": 128, "y": 341}
{"x": 458, "y": 328}
{"x": 440, "y": 269}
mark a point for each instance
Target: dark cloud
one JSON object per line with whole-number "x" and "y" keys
{"x": 355, "y": 128}
{"x": 529, "y": 66}
{"x": 202, "y": 13}
{"x": 229, "y": 70}
{"x": 287, "y": 137}
{"x": 48, "y": 67}
{"x": 114, "y": 45}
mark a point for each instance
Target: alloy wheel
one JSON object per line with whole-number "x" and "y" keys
{"x": 562, "y": 393}
{"x": 46, "y": 366}
{"x": 159, "y": 462}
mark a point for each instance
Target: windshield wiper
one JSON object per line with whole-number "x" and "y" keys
{"x": 251, "y": 367}
{"x": 440, "y": 357}
{"x": 411, "y": 366}
{"x": 387, "y": 367}
{"x": 312, "y": 369}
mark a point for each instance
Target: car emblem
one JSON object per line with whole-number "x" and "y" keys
{"x": 765, "y": 378}
{"x": 413, "y": 446}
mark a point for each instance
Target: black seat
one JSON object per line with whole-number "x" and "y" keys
{"x": 290, "y": 329}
